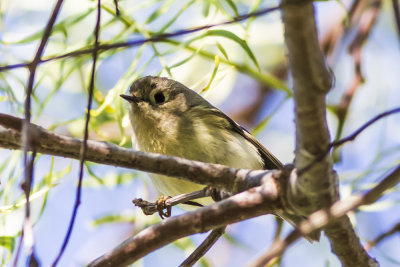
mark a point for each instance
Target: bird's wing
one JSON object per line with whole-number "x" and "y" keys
{"x": 269, "y": 160}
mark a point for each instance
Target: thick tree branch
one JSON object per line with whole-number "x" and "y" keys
{"x": 318, "y": 187}
{"x": 46, "y": 142}
{"x": 311, "y": 82}
{"x": 322, "y": 218}
{"x": 254, "y": 202}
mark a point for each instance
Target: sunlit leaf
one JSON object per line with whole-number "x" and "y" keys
{"x": 205, "y": 89}
{"x": 58, "y": 27}
{"x": 223, "y": 51}
{"x": 8, "y": 242}
{"x": 237, "y": 39}
{"x": 113, "y": 218}
{"x": 159, "y": 11}
{"x": 233, "y": 6}
{"x": 206, "y": 8}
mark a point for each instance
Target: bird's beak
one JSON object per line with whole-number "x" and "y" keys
{"x": 131, "y": 98}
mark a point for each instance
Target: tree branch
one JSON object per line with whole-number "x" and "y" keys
{"x": 322, "y": 218}
{"x": 318, "y": 187}
{"x": 392, "y": 231}
{"x": 311, "y": 82}
{"x": 85, "y": 137}
{"x": 204, "y": 247}
{"x": 254, "y": 202}
{"x": 46, "y": 142}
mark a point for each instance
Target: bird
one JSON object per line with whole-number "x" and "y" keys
{"x": 169, "y": 118}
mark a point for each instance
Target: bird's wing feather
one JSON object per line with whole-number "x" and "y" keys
{"x": 269, "y": 160}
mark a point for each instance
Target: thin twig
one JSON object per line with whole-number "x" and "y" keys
{"x": 393, "y": 230}
{"x": 349, "y": 138}
{"x": 367, "y": 21}
{"x": 26, "y": 137}
{"x": 322, "y": 218}
{"x": 116, "y": 8}
{"x": 396, "y": 11}
{"x": 201, "y": 250}
{"x": 27, "y": 229}
{"x": 155, "y": 38}
{"x": 277, "y": 238}
{"x": 86, "y": 135}
{"x": 150, "y": 208}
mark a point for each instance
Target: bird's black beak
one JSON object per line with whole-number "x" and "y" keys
{"x": 131, "y": 98}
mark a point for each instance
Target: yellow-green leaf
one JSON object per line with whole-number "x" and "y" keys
{"x": 237, "y": 39}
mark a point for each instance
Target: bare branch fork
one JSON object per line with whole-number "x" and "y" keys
{"x": 47, "y": 142}
{"x": 229, "y": 211}
{"x": 322, "y": 218}
{"x": 219, "y": 176}
{"x": 318, "y": 187}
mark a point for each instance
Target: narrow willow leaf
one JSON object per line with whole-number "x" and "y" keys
{"x": 187, "y": 59}
{"x": 7, "y": 242}
{"x": 59, "y": 27}
{"x": 233, "y": 6}
{"x": 159, "y": 11}
{"x": 169, "y": 23}
{"x": 114, "y": 218}
{"x": 92, "y": 174}
{"x": 206, "y": 8}
{"x": 223, "y": 51}
{"x": 265, "y": 121}
{"x": 205, "y": 89}
{"x": 237, "y": 39}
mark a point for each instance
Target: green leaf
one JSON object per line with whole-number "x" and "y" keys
{"x": 169, "y": 23}
{"x": 223, "y": 51}
{"x": 205, "y": 89}
{"x": 59, "y": 27}
{"x": 237, "y": 39}
{"x": 159, "y": 11}
{"x": 206, "y": 8}
{"x": 8, "y": 242}
{"x": 114, "y": 218}
{"x": 259, "y": 127}
{"x": 233, "y": 6}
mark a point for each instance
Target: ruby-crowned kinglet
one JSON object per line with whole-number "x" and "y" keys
{"x": 169, "y": 118}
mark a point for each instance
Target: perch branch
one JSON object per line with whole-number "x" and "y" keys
{"x": 322, "y": 218}
{"x": 51, "y": 143}
{"x": 257, "y": 201}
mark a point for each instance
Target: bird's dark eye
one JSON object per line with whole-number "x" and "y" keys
{"x": 153, "y": 85}
{"x": 159, "y": 98}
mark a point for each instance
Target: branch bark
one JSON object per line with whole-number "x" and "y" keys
{"x": 324, "y": 217}
{"x": 318, "y": 187}
{"x": 254, "y": 202}
{"x": 46, "y": 142}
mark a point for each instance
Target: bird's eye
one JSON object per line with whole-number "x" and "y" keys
{"x": 153, "y": 85}
{"x": 159, "y": 98}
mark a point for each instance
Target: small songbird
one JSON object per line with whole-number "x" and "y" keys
{"x": 169, "y": 118}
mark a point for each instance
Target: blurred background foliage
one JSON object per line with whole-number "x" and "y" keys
{"x": 241, "y": 68}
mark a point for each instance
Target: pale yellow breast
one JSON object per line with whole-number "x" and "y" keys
{"x": 204, "y": 144}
